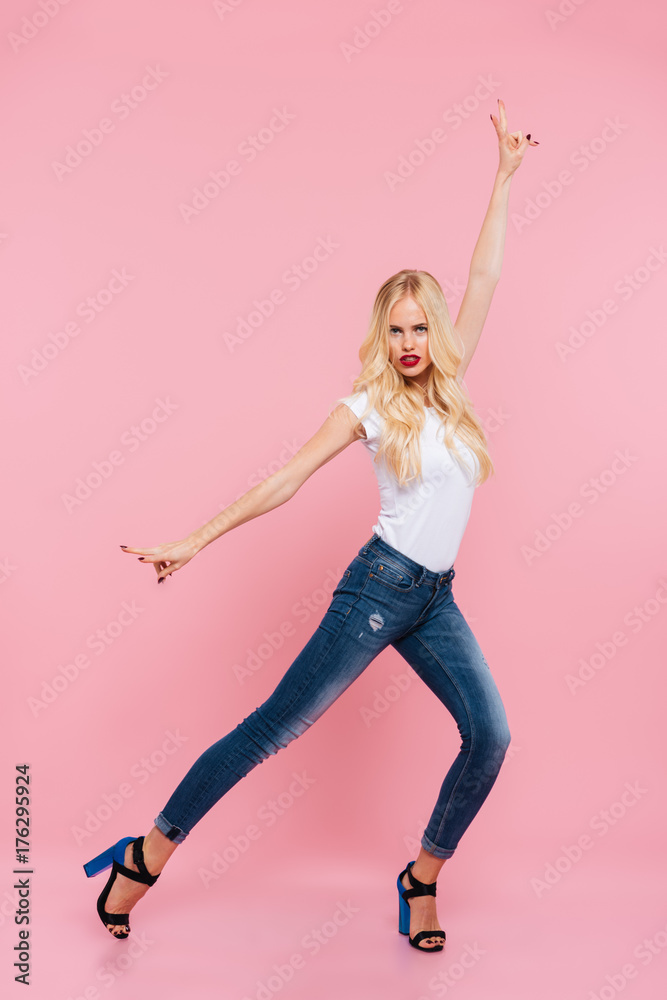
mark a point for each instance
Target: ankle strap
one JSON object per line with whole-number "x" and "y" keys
{"x": 138, "y": 858}
{"x": 418, "y": 888}
{"x": 142, "y": 875}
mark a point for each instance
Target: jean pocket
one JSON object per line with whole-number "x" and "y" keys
{"x": 393, "y": 576}
{"x": 342, "y": 583}
{"x": 343, "y": 599}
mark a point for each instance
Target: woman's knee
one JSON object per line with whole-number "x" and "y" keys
{"x": 504, "y": 737}
{"x": 493, "y": 740}
{"x": 501, "y": 738}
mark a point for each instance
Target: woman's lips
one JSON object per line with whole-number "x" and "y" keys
{"x": 410, "y": 360}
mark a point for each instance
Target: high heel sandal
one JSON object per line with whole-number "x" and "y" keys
{"x": 114, "y": 858}
{"x": 418, "y": 889}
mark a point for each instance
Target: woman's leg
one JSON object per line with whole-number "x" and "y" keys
{"x": 423, "y": 914}
{"x": 446, "y": 655}
{"x": 330, "y": 661}
{"x": 334, "y": 656}
{"x": 157, "y": 850}
{"x": 444, "y": 652}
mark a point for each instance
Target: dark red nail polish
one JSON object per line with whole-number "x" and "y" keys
{"x": 123, "y": 546}
{"x": 528, "y": 136}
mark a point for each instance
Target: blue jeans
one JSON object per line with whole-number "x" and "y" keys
{"x": 383, "y": 598}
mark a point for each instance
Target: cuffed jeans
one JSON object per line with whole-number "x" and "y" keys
{"x": 383, "y": 598}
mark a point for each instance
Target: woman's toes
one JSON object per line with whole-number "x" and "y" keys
{"x": 422, "y": 912}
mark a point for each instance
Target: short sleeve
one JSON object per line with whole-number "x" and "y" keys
{"x": 358, "y": 402}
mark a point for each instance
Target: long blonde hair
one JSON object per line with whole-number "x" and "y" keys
{"x": 399, "y": 401}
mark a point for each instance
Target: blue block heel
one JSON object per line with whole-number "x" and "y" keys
{"x": 114, "y": 858}
{"x": 418, "y": 889}
{"x": 106, "y": 858}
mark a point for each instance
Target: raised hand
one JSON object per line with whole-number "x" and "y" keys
{"x": 512, "y": 145}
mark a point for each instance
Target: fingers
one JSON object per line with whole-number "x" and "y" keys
{"x": 162, "y": 568}
{"x": 503, "y": 115}
{"x": 515, "y": 138}
{"x": 166, "y": 558}
{"x": 145, "y": 555}
{"x": 501, "y": 123}
{"x": 151, "y": 556}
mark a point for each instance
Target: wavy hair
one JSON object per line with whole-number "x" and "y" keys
{"x": 399, "y": 401}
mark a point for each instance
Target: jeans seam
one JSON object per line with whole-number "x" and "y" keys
{"x": 470, "y": 722}
{"x": 384, "y": 581}
{"x": 449, "y": 852}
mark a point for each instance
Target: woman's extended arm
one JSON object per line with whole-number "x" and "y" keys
{"x": 335, "y": 434}
{"x": 487, "y": 258}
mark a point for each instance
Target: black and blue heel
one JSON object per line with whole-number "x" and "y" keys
{"x": 418, "y": 889}
{"x": 114, "y": 858}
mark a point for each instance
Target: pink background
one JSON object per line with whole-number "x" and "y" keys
{"x": 596, "y": 592}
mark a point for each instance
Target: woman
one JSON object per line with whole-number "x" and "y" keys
{"x": 429, "y": 451}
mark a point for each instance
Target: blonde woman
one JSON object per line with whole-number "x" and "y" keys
{"x": 411, "y": 410}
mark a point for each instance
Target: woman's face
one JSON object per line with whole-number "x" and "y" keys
{"x": 408, "y": 339}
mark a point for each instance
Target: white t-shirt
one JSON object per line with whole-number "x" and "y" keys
{"x": 424, "y": 520}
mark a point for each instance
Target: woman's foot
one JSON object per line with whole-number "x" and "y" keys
{"x": 125, "y": 892}
{"x": 423, "y": 914}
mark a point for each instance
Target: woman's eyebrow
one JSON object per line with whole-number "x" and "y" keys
{"x": 395, "y": 326}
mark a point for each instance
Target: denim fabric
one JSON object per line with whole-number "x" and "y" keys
{"x": 383, "y": 598}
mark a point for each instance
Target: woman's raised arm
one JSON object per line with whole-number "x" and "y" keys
{"x": 487, "y": 258}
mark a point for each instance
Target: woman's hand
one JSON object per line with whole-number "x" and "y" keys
{"x": 512, "y": 145}
{"x": 166, "y": 558}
